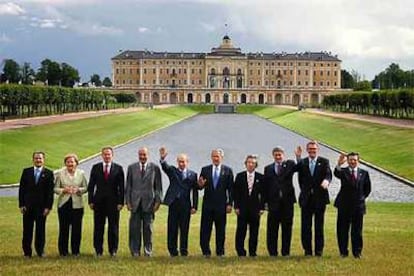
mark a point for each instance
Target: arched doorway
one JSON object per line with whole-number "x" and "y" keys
{"x": 314, "y": 99}
{"x": 208, "y": 98}
{"x": 190, "y": 98}
{"x": 261, "y": 99}
{"x": 138, "y": 97}
{"x": 155, "y": 98}
{"x": 296, "y": 99}
{"x": 243, "y": 99}
{"x": 278, "y": 99}
{"x": 173, "y": 98}
{"x": 226, "y": 98}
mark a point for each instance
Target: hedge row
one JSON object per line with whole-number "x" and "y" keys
{"x": 396, "y": 104}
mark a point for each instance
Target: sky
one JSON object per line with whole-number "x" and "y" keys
{"x": 366, "y": 35}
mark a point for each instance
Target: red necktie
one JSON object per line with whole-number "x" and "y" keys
{"x": 106, "y": 172}
{"x": 353, "y": 176}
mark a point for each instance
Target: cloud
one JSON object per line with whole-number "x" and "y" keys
{"x": 4, "y": 38}
{"x": 208, "y": 27}
{"x": 11, "y": 9}
{"x": 143, "y": 29}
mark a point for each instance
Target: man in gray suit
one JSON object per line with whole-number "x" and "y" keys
{"x": 143, "y": 197}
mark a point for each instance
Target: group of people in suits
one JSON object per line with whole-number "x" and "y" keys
{"x": 250, "y": 193}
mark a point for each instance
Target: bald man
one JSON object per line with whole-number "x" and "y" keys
{"x": 181, "y": 205}
{"x": 143, "y": 198}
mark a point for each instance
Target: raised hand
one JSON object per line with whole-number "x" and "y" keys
{"x": 298, "y": 151}
{"x": 341, "y": 159}
{"x": 163, "y": 152}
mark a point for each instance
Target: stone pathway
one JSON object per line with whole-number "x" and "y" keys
{"x": 238, "y": 135}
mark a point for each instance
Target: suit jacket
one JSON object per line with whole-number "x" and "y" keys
{"x": 62, "y": 180}
{"x": 32, "y": 195}
{"x": 109, "y": 191}
{"x": 352, "y": 194}
{"x": 279, "y": 188}
{"x": 248, "y": 204}
{"x": 217, "y": 199}
{"x": 310, "y": 186}
{"x": 180, "y": 187}
{"x": 145, "y": 190}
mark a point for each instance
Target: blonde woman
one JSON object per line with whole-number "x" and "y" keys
{"x": 70, "y": 184}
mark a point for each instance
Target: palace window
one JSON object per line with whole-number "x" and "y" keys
{"x": 321, "y": 83}
{"x": 321, "y": 73}
{"x": 199, "y": 71}
{"x": 185, "y": 71}
{"x": 335, "y": 73}
{"x": 298, "y": 72}
{"x": 199, "y": 81}
{"x": 329, "y": 73}
{"x": 284, "y": 72}
{"x": 299, "y": 83}
{"x": 153, "y": 81}
{"x": 123, "y": 71}
{"x": 130, "y": 71}
{"x": 291, "y": 72}
{"x": 258, "y": 72}
{"x": 306, "y": 72}
{"x": 192, "y": 71}
{"x": 145, "y": 70}
{"x": 153, "y": 71}
{"x": 117, "y": 70}
{"x": 267, "y": 72}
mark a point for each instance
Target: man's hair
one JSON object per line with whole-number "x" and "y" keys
{"x": 313, "y": 142}
{"x": 38, "y": 152}
{"x": 107, "y": 148}
{"x": 278, "y": 149}
{"x": 251, "y": 156}
{"x": 353, "y": 154}
{"x": 219, "y": 151}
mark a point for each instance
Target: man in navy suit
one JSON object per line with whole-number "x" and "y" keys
{"x": 106, "y": 199}
{"x": 314, "y": 174}
{"x": 350, "y": 201}
{"x": 183, "y": 184}
{"x": 280, "y": 198}
{"x": 248, "y": 205}
{"x": 217, "y": 182}
{"x": 35, "y": 203}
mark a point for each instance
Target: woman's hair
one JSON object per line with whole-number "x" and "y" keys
{"x": 71, "y": 155}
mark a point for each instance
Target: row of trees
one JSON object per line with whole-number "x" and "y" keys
{"x": 396, "y": 104}
{"x": 393, "y": 77}
{"x": 27, "y": 100}
{"x": 50, "y": 73}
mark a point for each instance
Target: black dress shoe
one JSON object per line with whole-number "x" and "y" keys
{"x": 344, "y": 255}
{"x": 357, "y": 256}
{"x": 318, "y": 254}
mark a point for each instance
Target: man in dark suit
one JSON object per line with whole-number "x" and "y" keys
{"x": 350, "y": 201}
{"x": 314, "y": 174}
{"x": 35, "y": 203}
{"x": 106, "y": 199}
{"x": 181, "y": 205}
{"x": 143, "y": 198}
{"x": 248, "y": 205}
{"x": 217, "y": 182}
{"x": 280, "y": 198}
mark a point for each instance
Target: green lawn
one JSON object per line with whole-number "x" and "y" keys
{"x": 389, "y": 147}
{"x": 83, "y": 137}
{"x": 388, "y": 248}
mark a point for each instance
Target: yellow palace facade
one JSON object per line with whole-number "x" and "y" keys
{"x": 226, "y": 75}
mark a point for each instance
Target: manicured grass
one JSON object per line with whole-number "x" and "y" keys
{"x": 83, "y": 137}
{"x": 388, "y": 248}
{"x": 385, "y": 146}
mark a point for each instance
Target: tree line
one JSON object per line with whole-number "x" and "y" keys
{"x": 395, "y": 104}
{"x": 393, "y": 77}
{"x": 50, "y": 73}
{"x": 27, "y": 100}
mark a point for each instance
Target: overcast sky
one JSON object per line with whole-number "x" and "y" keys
{"x": 366, "y": 35}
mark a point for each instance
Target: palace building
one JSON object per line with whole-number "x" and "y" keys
{"x": 227, "y": 75}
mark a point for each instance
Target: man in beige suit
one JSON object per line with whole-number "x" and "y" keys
{"x": 143, "y": 197}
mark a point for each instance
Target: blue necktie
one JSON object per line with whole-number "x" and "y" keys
{"x": 312, "y": 166}
{"x": 215, "y": 177}
{"x": 37, "y": 175}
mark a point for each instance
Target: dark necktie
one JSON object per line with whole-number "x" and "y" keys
{"x": 279, "y": 169}
{"x": 353, "y": 177}
{"x": 142, "y": 169}
{"x": 106, "y": 172}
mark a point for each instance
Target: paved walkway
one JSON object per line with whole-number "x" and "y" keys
{"x": 238, "y": 135}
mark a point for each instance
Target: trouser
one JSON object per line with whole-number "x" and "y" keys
{"x": 31, "y": 217}
{"x": 349, "y": 219}
{"x": 283, "y": 217}
{"x": 102, "y": 212}
{"x": 307, "y": 214}
{"x": 70, "y": 220}
{"x": 179, "y": 213}
{"x": 140, "y": 222}
{"x": 243, "y": 221}
{"x": 208, "y": 217}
